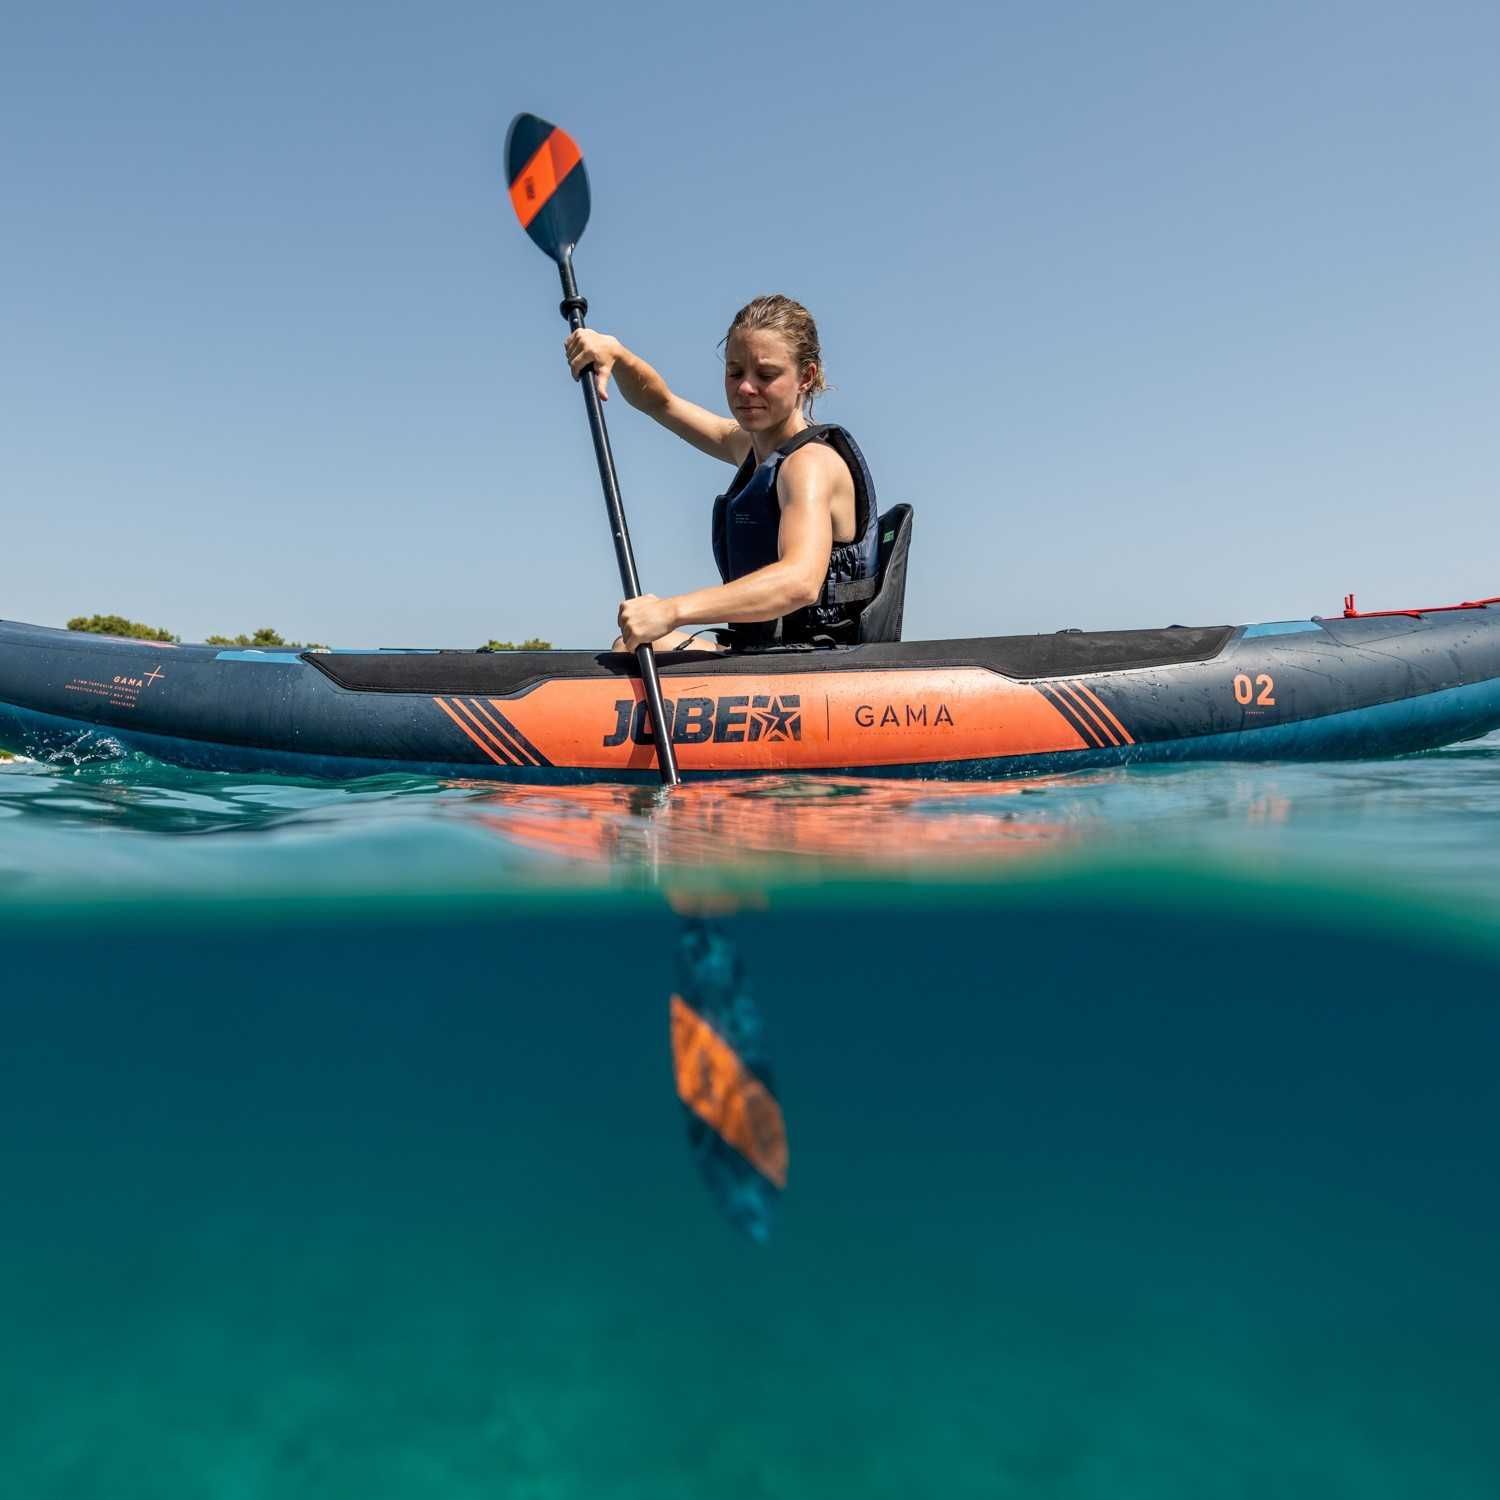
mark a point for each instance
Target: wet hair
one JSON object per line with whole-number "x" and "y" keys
{"x": 781, "y": 315}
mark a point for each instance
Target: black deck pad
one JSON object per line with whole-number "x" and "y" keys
{"x": 502, "y": 674}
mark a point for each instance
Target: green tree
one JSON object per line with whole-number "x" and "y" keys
{"x": 531, "y": 643}
{"x": 263, "y": 639}
{"x": 118, "y": 625}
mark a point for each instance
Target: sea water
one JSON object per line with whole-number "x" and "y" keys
{"x": 1141, "y": 1128}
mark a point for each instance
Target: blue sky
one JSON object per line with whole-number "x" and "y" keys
{"x": 1157, "y": 312}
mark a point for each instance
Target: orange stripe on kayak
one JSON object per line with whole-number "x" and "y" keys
{"x": 470, "y": 732}
{"x": 725, "y": 1095}
{"x": 538, "y": 179}
{"x": 1068, "y": 692}
{"x": 501, "y": 733}
{"x": 467, "y": 711}
{"x": 1098, "y": 702}
{"x": 947, "y": 714}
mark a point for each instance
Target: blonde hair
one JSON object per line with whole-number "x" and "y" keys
{"x": 783, "y": 316}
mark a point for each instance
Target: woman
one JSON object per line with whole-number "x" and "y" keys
{"x": 796, "y": 533}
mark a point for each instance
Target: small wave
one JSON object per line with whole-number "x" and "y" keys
{"x": 90, "y": 747}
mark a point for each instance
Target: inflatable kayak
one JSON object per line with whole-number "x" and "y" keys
{"x": 1358, "y": 686}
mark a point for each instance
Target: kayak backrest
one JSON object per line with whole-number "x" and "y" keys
{"x": 880, "y": 620}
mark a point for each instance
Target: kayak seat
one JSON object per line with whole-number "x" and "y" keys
{"x": 880, "y": 619}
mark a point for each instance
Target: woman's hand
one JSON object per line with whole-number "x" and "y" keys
{"x": 646, "y": 619}
{"x": 585, "y": 347}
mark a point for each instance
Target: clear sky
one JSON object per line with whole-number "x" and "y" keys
{"x": 1157, "y": 312}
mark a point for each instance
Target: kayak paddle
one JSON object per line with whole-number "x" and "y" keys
{"x": 549, "y": 190}
{"x": 735, "y": 1127}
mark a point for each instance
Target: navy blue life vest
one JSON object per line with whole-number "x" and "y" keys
{"x": 747, "y": 536}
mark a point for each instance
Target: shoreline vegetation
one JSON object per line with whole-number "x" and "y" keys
{"x": 265, "y": 638}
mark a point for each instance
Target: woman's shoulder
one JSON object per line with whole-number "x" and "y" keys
{"x": 813, "y": 460}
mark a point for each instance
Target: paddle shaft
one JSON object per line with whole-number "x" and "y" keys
{"x": 573, "y": 309}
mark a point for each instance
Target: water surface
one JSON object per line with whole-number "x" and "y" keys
{"x": 1142, "y": 1137}
{"x": 1423, "y": 822}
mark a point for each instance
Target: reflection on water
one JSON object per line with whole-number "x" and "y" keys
{"x": 133, "y": 824}
{"x": 740, "y": 826}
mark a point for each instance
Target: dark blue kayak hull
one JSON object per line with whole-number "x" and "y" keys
{"x": 963, "y": 710}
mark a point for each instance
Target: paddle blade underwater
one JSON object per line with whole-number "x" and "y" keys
{"x": 734, "y": 1122}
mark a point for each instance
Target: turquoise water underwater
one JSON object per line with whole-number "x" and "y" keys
{"x": 1142, "y": 1135}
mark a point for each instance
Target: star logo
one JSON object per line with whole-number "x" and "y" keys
{"x": 776, "y": 718}
{"x": 154, "y": 675}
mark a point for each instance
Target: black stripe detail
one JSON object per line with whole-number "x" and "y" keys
{"x": 536, "y": 755}
{"x": 1123, "y": 732}
{"x": 486, "y": 733}
{"x": 1070, "y": 691}
{"x": 452, "y": 716}
{"x": 1086, "y": 732}
{"x": 500, "y": 729}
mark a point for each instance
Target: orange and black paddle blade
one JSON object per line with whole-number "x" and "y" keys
{"x": 734, "y": 1122}
{"x": 549, "y": 188}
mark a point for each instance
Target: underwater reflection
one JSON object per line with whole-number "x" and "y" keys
{"x": 735, "y": 1129}
{"x": 683, "y": 842}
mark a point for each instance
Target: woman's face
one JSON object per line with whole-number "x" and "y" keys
{"x": 761, "y": 380}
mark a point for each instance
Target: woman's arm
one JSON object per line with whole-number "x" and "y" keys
{"x": 792, "y": 582}
{"x": 644, "y": 389}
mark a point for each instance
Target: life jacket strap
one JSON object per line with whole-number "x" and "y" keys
{"x": 855, "y": 591}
